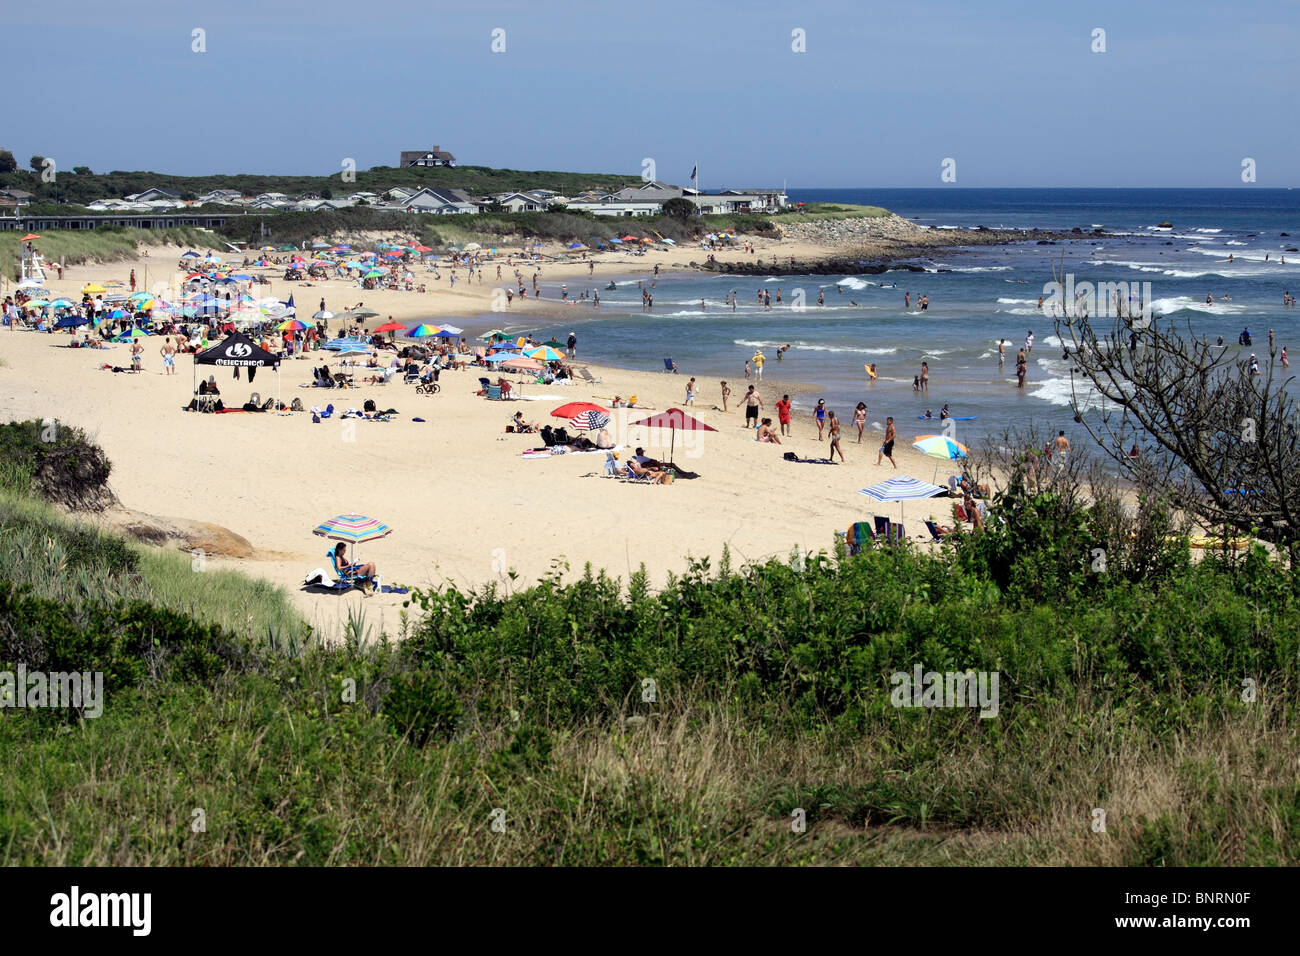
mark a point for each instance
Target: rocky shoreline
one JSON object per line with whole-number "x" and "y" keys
{"x": 874, "y": 245}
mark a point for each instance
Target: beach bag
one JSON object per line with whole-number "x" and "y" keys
{"x": 296, "y": 405}
{"x": 790, "y": 456}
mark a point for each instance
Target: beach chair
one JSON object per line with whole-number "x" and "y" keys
{"x": 670, "y": 365}
{"x": 611, "y": 464}
{"x": 633, "y": 476}
{"x": 587, "y": 377}
{"x": 345, "y": 578}
{"x": 858, "y": 535}
{"x": 882, "y": 527}
{"x": 935, "y": 533}
{"x": 494, "y": 393}
{"x": 483, "y": 385}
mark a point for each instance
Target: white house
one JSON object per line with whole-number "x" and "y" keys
{"x": 615, "y": 208}
{"x": 520, "y": 202}
{"x": 443, "y": 202}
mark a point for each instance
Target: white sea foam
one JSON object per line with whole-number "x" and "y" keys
{"x": 1006, "y": 301}
{"x": 855, "y": 283}
{"x": 797, "y": 346}
{"x": 1210, "y": 230}
{"x": 1177, "y": 303}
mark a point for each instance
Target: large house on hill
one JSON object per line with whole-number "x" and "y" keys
{"x": 426, "y": 157}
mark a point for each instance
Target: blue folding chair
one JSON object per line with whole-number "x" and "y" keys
{"x": 344, "y": 577}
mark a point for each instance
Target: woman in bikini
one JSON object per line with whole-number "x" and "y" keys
{"x": 860, "y": 419}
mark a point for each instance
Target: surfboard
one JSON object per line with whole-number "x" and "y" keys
{"x": 954, "y": 418}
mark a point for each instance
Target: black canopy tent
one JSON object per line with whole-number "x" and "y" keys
{"x": 239, "y": 351}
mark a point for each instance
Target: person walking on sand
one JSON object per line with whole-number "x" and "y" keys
{"x": 753, "y": 402}
{"x": 819, "y": 416}
{"x": 887, "y": 449}
{"x": 860, "y": 419}
{"x": 137, "y": 356}
{"x": 835, "y": 437}
{"x": 783, "y": 414}
{"x": 690, "y": 391}
{"x": 746, "y": 369}
{"x": 168, "y": 353}
{"x": 726, "y": 393}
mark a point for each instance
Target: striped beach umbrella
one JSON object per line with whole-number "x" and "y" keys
{"x": 423, "y": 330}
{"x": 543, "y": 354}
{"x": 352, "y": 528}
{"x": 900, "y": 489}
{"x": 293, "y": 325}
{"x": 589, "y": 420}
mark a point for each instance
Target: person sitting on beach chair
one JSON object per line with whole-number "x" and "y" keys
{"x": 356, "y": 575}
{"x": 522, "y": 427}
{"x": 639, "y": 472}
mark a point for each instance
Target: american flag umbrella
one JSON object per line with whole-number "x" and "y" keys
{"x": 589, "y": 420}
{"x": 352, "y": 528}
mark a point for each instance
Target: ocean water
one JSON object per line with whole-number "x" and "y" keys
{"x": 977, "y": 296}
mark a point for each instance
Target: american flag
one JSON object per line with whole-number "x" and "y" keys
{"x": 589, "y": 420}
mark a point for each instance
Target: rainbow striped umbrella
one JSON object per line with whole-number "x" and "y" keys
{"x": 423, "y": 330}
{"x": 543, "y": 354}
{"x": 293, "y": 325}
{"x": 352, "y": 528}
{"x": 940, "y": 446}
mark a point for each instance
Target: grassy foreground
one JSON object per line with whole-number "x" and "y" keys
{"x": 598, "y": 723}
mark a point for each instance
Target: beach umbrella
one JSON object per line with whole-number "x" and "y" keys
{"x": 287, "y": 248}
{"x": 940, "y": 446}
{"x": 574, "y": 245}
{"x": 619, "y": 241}
{"x": 62, "y": 303}
{"x": 93, "y": 288}
{"x": 27, "y": 283}
{"x": 423, "y": 330}
{"x": 675, "y": 419}
{"x": 262, "y": 249}
{"x": 521, "y": 364}
{"x": 389, "y": 327}
{"x": 293, "y": 325}
{"x": 71, "y": 322}
{"x": 324, "y": 314}
{"x": 589, "y": 420}
{"x": 352, "y": 529}
{"x": 191, "y": 254}
{"x": 491, "y": 335}
{"x": 501, "y": 357}
{"x": 570, "y": 409}
{"x": 454, "y": 330}
{"x": 242, "y": 277}
{"x": 36, "y": 303}
{"x": 446, "y": 333}
{"x": 320, "y": 245}
{"x": 543, "y": 354}
{"x": 29, "y": 237}
{"x": 902, "y": 488}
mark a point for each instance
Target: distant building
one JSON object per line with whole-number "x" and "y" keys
{"x": 611, "y": 207}
{"x": 520, "y": 202}
{"x": 426, "y": 157}
{"x": 442, "y": 202}
{"x": 155, "y": 193}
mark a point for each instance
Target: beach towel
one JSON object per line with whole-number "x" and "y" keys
{"x": 791, "y": 456}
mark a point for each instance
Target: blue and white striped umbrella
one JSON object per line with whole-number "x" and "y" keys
{"x": 900, "y": 489}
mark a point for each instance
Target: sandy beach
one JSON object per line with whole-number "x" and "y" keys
{"x": 466, "y": 506}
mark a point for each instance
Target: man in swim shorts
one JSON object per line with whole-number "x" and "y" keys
{"x": 753, "y": 402}
{"x": 887, "y": 449}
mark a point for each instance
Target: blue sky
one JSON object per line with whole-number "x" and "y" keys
{"x": 883, "y": 94}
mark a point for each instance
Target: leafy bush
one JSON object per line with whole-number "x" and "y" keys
{"x": 58, "y": 461}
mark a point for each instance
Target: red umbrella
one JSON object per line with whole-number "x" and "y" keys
{"x": 674, "y": 419}
{"x": 390, "y": 327}
{"x": 30, "y": 235}
{"x": 577, "y": 408}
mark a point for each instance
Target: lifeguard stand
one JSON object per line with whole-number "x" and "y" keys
{"x": 32, "y": 266}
